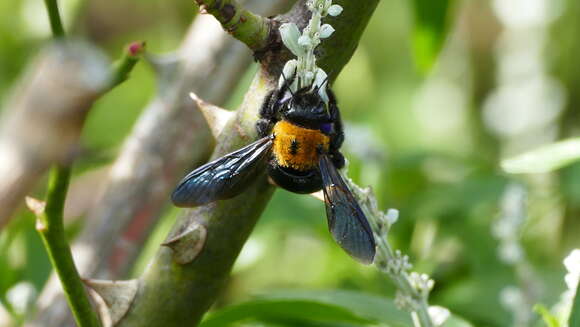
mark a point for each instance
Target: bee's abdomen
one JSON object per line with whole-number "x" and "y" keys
{"x": 297, "y": 147}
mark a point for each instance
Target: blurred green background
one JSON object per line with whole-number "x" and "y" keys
{"x": 436, "y": 96}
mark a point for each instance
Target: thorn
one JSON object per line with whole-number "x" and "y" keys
{"x": 216, "y": 117}
{"x": 318, "y": 195}
{"x": 188, "y": 244}
{"x": 35, "y": 205}
{"x": 113, "y": 298}
{"x": 271, "y": 181}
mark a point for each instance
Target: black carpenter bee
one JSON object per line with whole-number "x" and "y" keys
{"x": 300, "y": 136}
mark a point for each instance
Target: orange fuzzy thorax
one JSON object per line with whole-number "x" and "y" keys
{"x": 297, "y": 147}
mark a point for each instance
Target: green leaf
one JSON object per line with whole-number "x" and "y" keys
{"x": 370, "y": 307}
{"x": 547, "y": 316}
{"x": 455, "y": 321}
{"x": 335, "y": 308}
{"x": 575, "y": 314}
{"x": 275, "y": 310}
{"x": 430, "y": 30}
{"x": 544, "y": 159}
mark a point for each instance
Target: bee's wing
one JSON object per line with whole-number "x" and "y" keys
{"x": 346, "y": 220}
{"x": 224, "y": 177}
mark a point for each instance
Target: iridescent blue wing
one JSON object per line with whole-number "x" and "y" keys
{"x": 224, "y": 177}
{"x": 346, "y": 220}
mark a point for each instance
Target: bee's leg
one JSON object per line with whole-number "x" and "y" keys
{"x": 337, "y": 159}
{"x": 270, "y": 110}
{"x": 264, "y": 127}
{"x": 268, "y": 114}
{"x": 337, "y": 134}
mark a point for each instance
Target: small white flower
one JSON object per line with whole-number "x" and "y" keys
{"x": 308, "y": 77}
{"x": 288, "y": 71}
{"x": 320, "y": 82}
{"x": 21, "y": 297}
{"x": 511, "y": 297}
{"x": 305, "y": 41}
{"x": 327, "y": 4}
{"x": 572, "y": 264}
{"x": 334, "y": 10}
{"x": 439, "y": 314}
{"x": 511, "y": 252}
{"x": 392, "y": 216}
{"x": 325, "y": 31}
{"x": 290, "y": 35}
{"x": 572, "y": 261}
{"x": 405, "y": 302}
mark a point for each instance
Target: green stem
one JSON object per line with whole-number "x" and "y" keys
{"x": 51, "y": 229}
{"x": 54, "y": 18}
{"x": 50, "y": 224}
{"x": 125, "y": 65}
{"x": 244, "y": 25}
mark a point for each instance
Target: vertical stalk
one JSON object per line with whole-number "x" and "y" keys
{"x": 54, "y": 18}
{"x": 50, "y": 226}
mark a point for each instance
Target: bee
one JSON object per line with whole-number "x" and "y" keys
{"x": 299, "y": 140}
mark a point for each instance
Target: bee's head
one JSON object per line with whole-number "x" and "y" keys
{"x": 306, "y": 108}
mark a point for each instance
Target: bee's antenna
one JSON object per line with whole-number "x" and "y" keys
{"x": 289, "y": 86}
{"x": 318, "y": 87}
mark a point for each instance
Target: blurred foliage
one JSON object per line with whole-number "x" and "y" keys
{"x": 575, "y": 315}
{"x": 430, "y": 30}
{"x": 417, "y": 136}
{"x": 545, "y": 159}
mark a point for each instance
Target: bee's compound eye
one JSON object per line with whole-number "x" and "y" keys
{"x": 326, "y": 127}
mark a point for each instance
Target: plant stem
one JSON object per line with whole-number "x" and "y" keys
{"x": 125, "y": 65}
{"x": 244, "y": 25}
{"x": 413, "y": 289}
{"x": 51, "y": 229}
{"x": 54, "y": 18}
{"x": 50, "y": 219}
{"x": 50, "y": 224}
{"x": 187, "y": 290}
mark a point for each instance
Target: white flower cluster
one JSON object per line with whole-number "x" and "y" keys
{"x": 439, "y": 314}
{"x": 563, "y": 308}
{"x": 508, "y": 227}
{"x": 302, "y": 45}
{"x": 413, "y": 288}
{"x": 572, "y": 264}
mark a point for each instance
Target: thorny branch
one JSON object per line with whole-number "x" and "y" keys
{"x": 186, "y": 288}
{"x": 169, "y": 137}
{"x": 40, "y": 129}
{"x": 50, "y": 226}
{"x": 251, "y": 29}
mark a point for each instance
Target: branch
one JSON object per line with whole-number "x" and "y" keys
{"x": 39, "y": 128}
{"x": 170, "y": 137}
{"x": 251, "y": 29}
{"x": 50, "y": 226}
{"x": 124, "y": 66}
{"x": 185, "y": 289}
{"x": 50, "y": 219}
